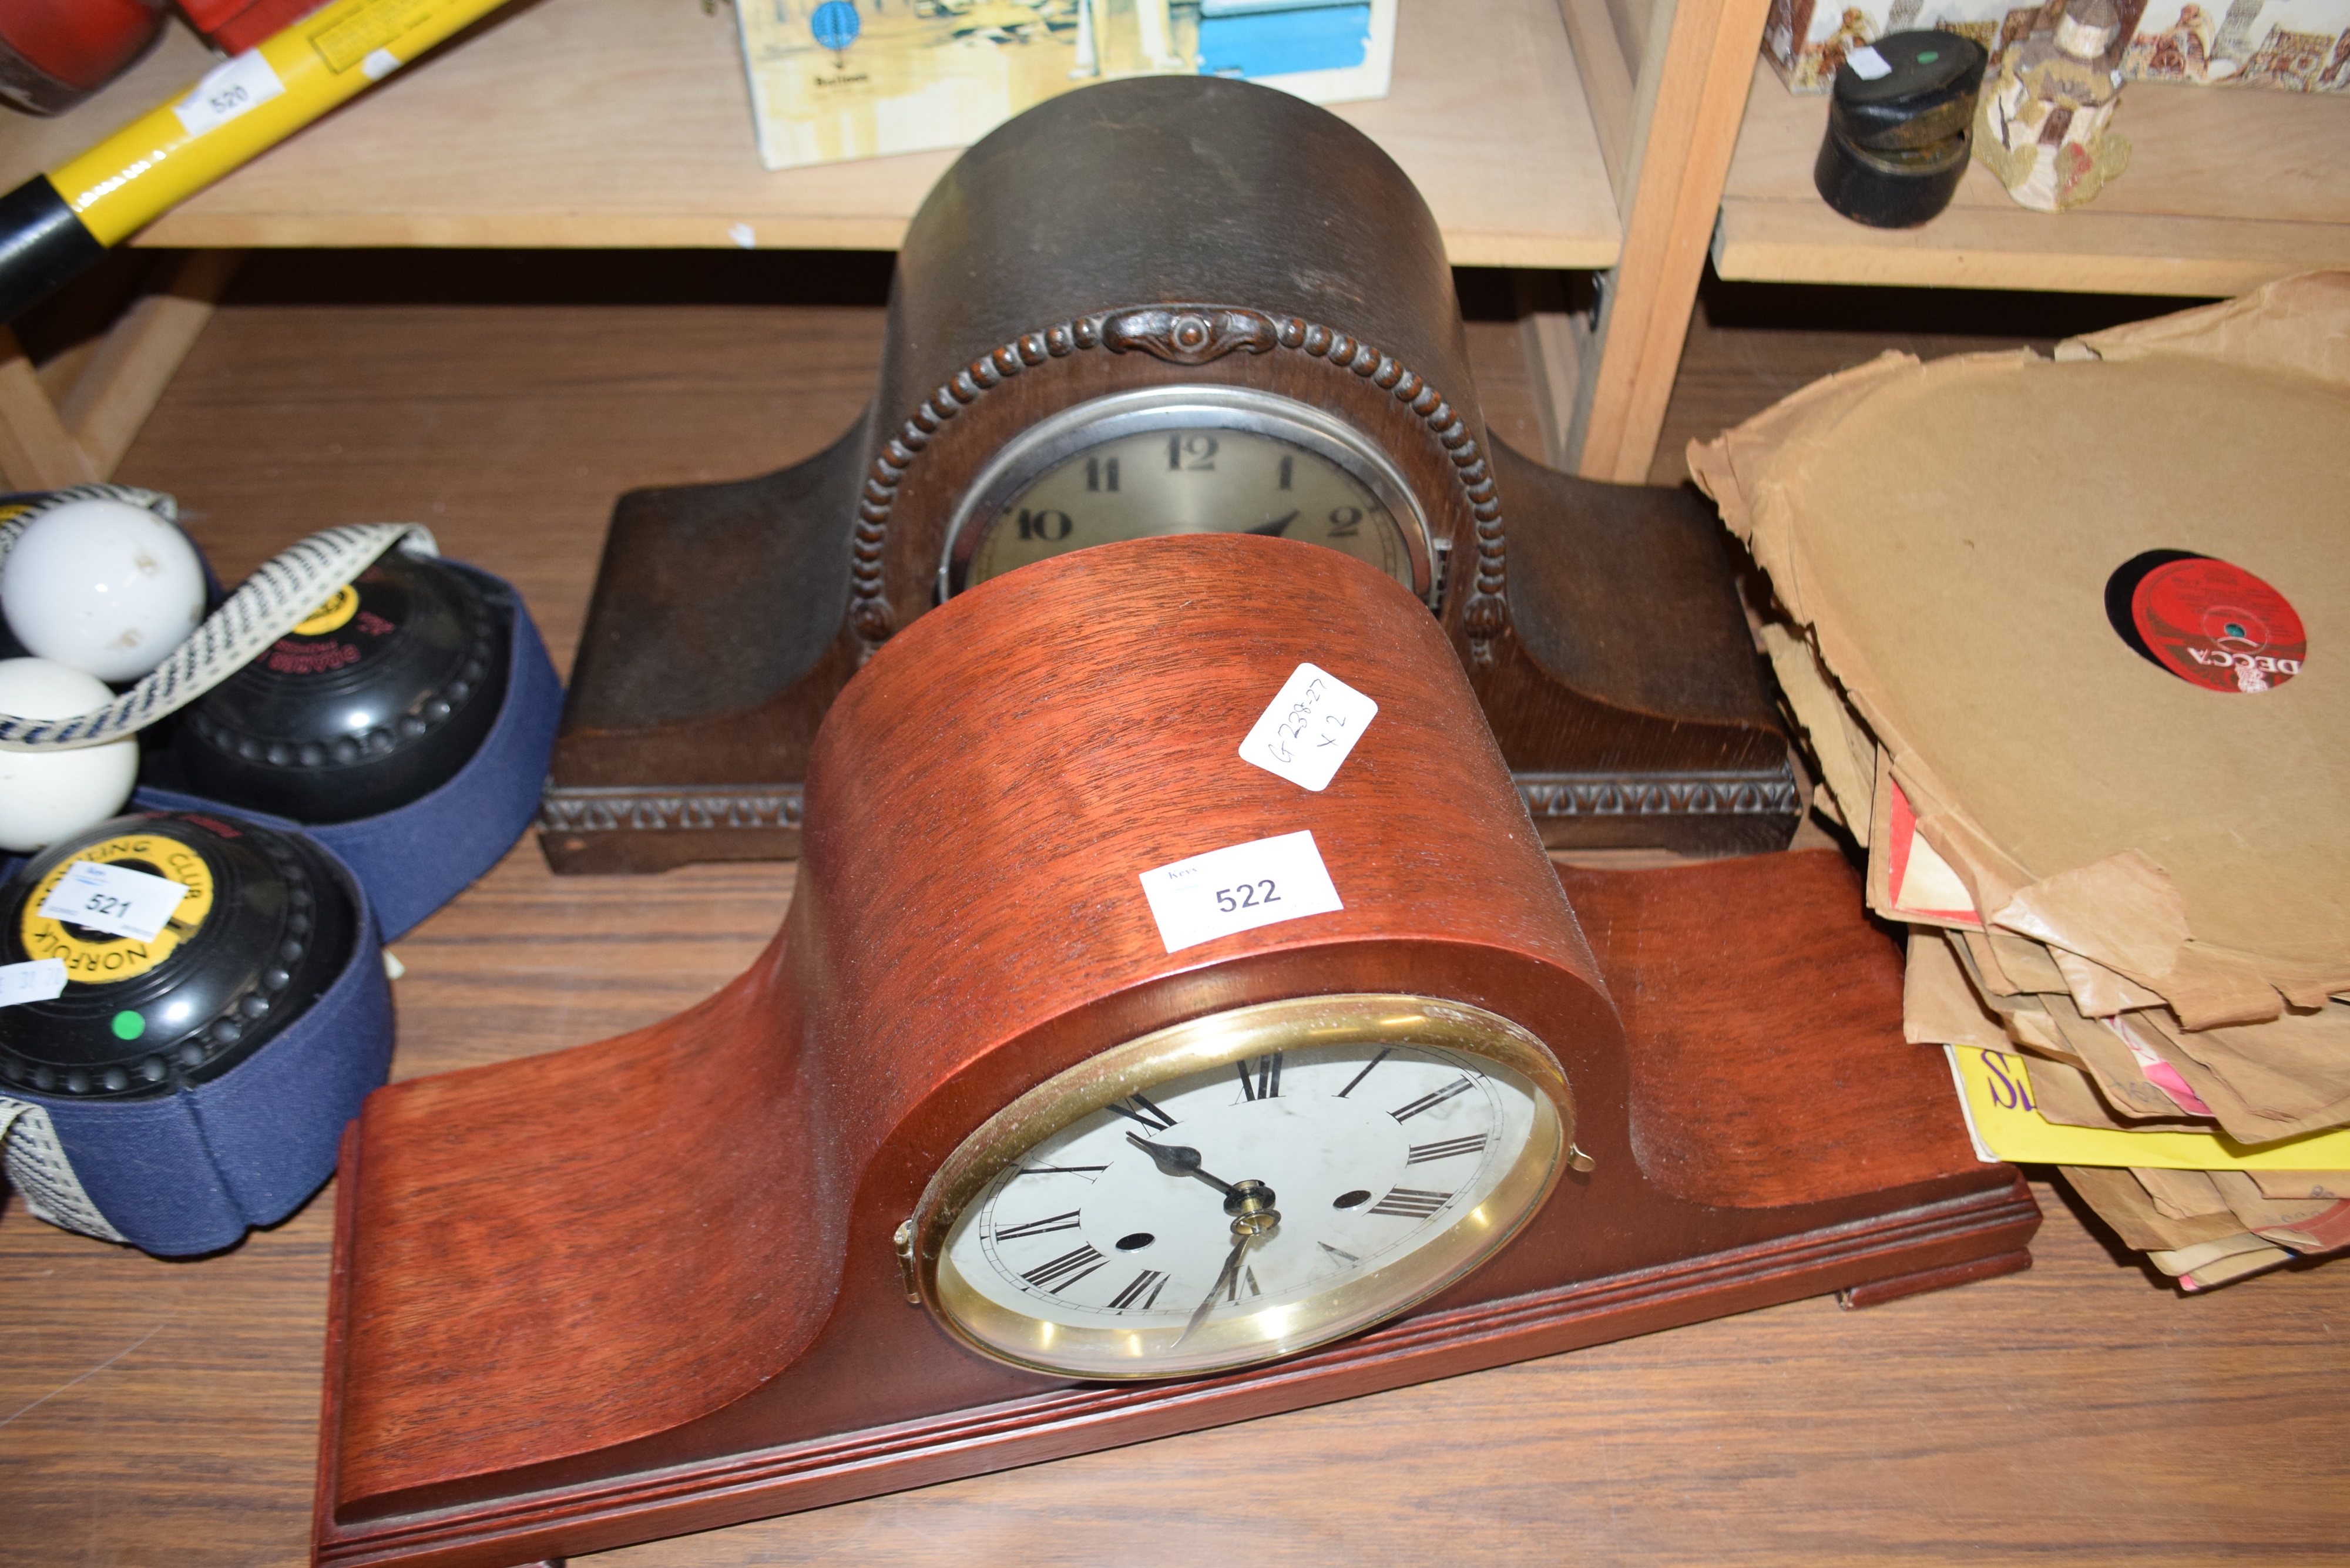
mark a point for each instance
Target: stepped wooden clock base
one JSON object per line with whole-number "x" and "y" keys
{"x": 1850, "y": 1259}
{"x": 1782, "y": 1142}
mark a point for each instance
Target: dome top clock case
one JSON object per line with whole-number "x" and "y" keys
{"x": 1167, "y": 305}
{"x": 1104, "y": 1084}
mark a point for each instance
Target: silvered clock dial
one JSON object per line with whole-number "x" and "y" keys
{"x": 1242, "y": 1186}
{"x": 1188, "y": 460}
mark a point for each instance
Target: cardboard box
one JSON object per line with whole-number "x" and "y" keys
{"x": 832, "y": 80}
{"x": 1806, "y": 40}
{"x": 2292, "y": 46}
{"x": 2287, "y": 46}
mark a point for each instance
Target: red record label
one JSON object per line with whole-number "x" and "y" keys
{"x": 2217, "y": 626}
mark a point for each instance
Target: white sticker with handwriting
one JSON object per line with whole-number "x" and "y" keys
{"x": 41, "y": 979}
{"x": 114, "y": 900}
{"x": 230, "y": 91}
{"x": 1309, "y": 729}
{"x": 1867, "y": 63}
{"x": 1239, "y": 889}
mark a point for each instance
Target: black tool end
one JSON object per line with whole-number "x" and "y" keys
{"x": 43, "y": 246}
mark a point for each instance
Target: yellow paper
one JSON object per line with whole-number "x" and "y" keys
{"x": 1995, "y": 1092}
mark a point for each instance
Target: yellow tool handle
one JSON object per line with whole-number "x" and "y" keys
{"x": 53, "y": 226}
{"x": 247, "y": 105}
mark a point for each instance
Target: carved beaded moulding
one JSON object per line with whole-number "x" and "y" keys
{"x": 638, "y": 808}
{"x": 1715, "y": 794}
{"x": 1182, "y": 335}
{"x": 687, "y": 807}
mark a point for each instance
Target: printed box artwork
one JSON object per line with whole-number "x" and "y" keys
{"x": 2300, "y": 45}
{"x": 832, "y": 80}
{"x": 2289, "y": 46}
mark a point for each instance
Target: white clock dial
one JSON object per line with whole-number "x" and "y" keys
{"x": 1225, "y": 1213}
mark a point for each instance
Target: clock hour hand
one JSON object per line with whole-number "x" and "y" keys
{"x": 1275, "y": 527}
{"x": 1174, "y": 1159}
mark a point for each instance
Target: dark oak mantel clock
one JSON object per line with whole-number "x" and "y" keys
{"x": 1103, "y": 1084}
{"x": 1166, "y": 306}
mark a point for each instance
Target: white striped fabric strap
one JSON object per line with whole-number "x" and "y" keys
{"x": 278, "y": 597}
{"x": 38, "y": 1167}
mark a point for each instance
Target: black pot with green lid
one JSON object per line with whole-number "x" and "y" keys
{"x": 1900, "y": 125}
{"x": 1908, "y": 90}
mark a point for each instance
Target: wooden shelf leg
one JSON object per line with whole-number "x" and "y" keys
{"x": 1553, "y": 342}
{"x": 1697, "y": 58}
{"x": 124, "y": 380}
{"x": 80, "y": 437}
{"x": 36, "y": 451}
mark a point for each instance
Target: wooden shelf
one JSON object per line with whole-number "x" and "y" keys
{"x": 627, "y": 123}
{"x": 2225, "y": 190}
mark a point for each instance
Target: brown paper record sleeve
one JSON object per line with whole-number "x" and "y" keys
{"x": 1945, "y": 531}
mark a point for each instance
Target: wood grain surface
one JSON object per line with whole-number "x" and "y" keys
{"x": 767, "y": 1144}
{"x": 627, "y": 122}
{"x": 2225, "y": 190}
{"x": 154, "y": 1413}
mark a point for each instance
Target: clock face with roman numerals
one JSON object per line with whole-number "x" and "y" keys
{"x": 1227, "y": 1213}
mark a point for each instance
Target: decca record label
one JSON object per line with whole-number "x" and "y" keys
{"x": 2214, "y": 624}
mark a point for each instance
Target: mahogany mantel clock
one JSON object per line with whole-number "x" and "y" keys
{"x": 1172, "y": 305}
{"x": 1104, "y": 1084}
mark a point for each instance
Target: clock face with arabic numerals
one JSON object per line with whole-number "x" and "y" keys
{"x": 1243, "y": 1186}
{"x": 1187, "y": 460}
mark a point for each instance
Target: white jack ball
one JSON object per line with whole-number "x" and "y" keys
{"x": 45, "y": 795}
{"x": 103, "y": 586}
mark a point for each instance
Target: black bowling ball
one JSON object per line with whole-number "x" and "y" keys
{"x": 378, "y": 699}
{"x": 266, "y": 927}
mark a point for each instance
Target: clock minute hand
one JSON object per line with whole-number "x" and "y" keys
{"x": 1175, "y": 1159}
{"x": 1275, "y": 527}
{"x": 1223, "y": 1282}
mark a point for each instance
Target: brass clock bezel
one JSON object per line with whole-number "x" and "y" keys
{"x": 1214, "y": 1041}
{"x": 1051, "y": 441}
